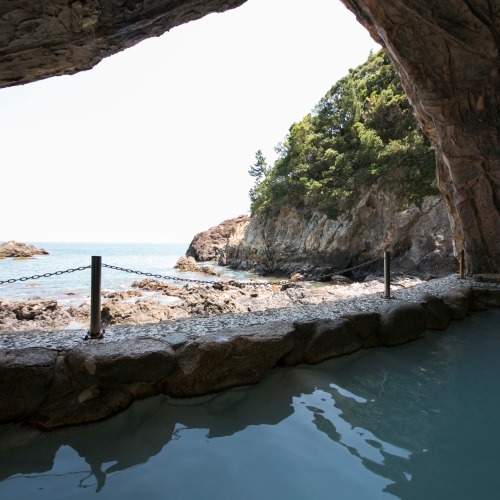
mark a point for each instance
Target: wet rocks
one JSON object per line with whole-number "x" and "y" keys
{"x": 32, "y": 314}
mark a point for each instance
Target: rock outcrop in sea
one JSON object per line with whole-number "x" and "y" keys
{"x": 213, "y": 244}
{"x": 313, "y": 246}
{"x": 188, "y": 264}
{"x": 19, "y": 250}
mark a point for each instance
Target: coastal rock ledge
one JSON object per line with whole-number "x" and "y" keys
{"x": 50, "y": 388}
{"x": 19, "y": 250}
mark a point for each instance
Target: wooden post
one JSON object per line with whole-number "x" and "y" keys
{"x": 95, "y": 299}
{"x": 461, "y": 264}
{"x": 387, "y": 274}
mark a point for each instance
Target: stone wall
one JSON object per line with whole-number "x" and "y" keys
{"x": 49, "y": 388}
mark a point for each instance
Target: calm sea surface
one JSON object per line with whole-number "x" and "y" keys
{"x": 150, "y": 258}
{"x": 419, "y": 421}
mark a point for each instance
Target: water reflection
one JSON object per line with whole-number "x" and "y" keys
{"x": 402, "y": 421}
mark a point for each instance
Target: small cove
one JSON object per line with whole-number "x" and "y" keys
{"x": 415, "y": 421}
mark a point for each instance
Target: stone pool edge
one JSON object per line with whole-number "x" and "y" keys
{"x": 50, "y": 388}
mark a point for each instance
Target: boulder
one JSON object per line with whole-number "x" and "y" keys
{"x": 144, "y": 360}
{"x": 212, "y": 363}
{"x": 25, "y": 379}
{"x": 318, "y": 340}
{"x": 366, "y": 325}
{"x": 188, "y": 264}
{"x": 438, "y": 313}
{"x": 401, "y": 322}
{"x": 458, "y": 302}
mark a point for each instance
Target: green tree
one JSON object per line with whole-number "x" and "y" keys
{"x": 359, "y": 131}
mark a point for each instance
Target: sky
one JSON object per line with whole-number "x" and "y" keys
{"x": 154, "y": 144}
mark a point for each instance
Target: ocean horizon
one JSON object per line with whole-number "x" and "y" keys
{"x": 71, "y": 289}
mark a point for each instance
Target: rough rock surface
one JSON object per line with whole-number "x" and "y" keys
{"x": 447, "y": 54}
{"x": 26, "y": 376}
{"x": 317, "y": 247}
{"x": 214, "y": 243}
{"x": 20, "y": 250}
{"x": 55, "y": 37}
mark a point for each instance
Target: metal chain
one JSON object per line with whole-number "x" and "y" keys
{"x": 46, "y": 275}
{"x": 158, "y": 276}
{"x": 359, "y": 265}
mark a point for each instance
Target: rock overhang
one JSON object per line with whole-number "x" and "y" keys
{"x": 40, "y": 39}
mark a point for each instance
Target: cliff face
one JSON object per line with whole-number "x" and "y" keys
{"x": 419, "y": 238}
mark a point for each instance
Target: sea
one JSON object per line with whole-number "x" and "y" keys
{"x": 73, "y": 289}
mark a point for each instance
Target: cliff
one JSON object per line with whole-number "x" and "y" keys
{"x": 315, "y": 247}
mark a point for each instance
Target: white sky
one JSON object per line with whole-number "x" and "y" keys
{"x": 154, "y": 144}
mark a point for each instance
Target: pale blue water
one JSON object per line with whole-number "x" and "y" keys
{"x": 150, "y": 258}
{"x": 419, "y": 421}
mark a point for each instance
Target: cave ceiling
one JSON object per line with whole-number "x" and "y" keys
{"x": 447, "y": 53}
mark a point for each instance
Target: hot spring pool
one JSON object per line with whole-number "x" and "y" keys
{"x": 419, "y": 421}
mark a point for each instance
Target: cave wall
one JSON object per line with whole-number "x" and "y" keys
{"x": 446, "y": 52}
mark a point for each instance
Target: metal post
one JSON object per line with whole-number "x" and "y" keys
{"x": 95, "y": 299}
{"x": 387, "y": 274}
{"x": 462, "y": 262}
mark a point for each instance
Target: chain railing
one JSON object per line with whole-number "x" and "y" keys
{"x": 348, "y": 269}
{"x": 159, "y": 276}
{"x": 397, "y": 261}
{"x": 46, "y": 275}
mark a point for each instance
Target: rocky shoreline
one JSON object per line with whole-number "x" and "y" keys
{"x": 151, "y": 301}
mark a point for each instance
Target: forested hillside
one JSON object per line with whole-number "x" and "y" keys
{"x": 362, "y": 129}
